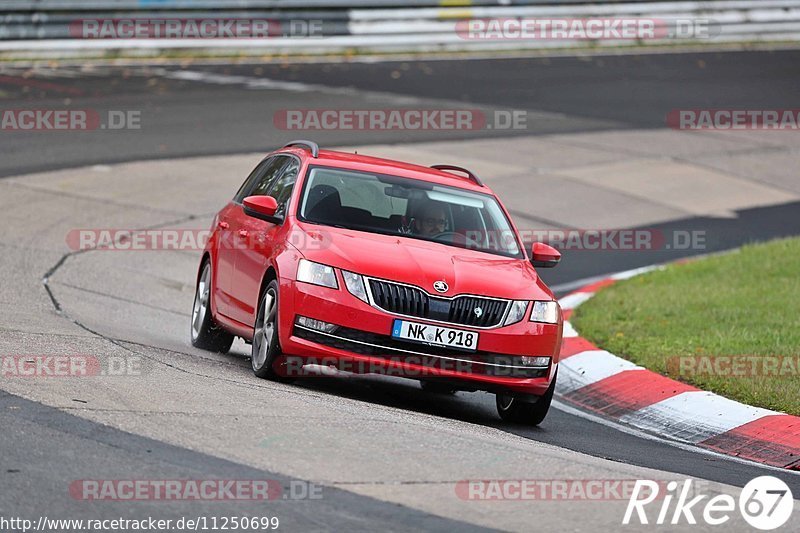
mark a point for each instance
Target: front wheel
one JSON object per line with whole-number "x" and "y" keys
{"x": 512, "y": 409}
{"x": 207, "y": 335}
{"x": 265, "y": 347}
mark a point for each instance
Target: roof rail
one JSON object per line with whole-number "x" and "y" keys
{"x": 312, "y": 146}
{"x": 472, "y": 177}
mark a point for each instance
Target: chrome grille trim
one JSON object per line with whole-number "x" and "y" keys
{"x": 411, "y": 301}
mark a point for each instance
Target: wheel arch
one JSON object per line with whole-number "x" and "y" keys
{"x": 203, "y": 260}
{"x": 271, "y": 274}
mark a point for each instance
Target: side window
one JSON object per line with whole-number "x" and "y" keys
{"x": 271, "y": 173}
{"x": 282, "y": 188}
{"x": 251, "y": 180}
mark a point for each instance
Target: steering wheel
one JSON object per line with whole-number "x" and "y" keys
{"x": 457, "y": 238}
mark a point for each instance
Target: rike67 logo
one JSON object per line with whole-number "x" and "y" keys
{"x": 766, "y": 503}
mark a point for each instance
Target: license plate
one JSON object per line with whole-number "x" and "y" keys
{"x": 435, "y": 335}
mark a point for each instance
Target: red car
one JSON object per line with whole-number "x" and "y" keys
{"x": 326, "y": 259}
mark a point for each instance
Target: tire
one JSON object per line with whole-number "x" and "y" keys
{"x": 436, "y": 388}
{"x": 512, "y": 409}
{"x": 265, "y": 348}
{"x": 205, "y": 333}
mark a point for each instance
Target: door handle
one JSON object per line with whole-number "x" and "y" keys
{"x": 243, "y": 233}
{"x": 224, "y": 225}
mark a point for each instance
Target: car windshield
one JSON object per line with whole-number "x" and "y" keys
{"x": 412, "y": 208}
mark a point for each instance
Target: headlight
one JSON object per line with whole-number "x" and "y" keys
{"x": 516, "y": 313}
{"x": 316, "y": 274}
{"x": 546, "y": 312}
{"x": 355, "y": 285}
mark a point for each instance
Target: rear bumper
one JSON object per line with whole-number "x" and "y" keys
{"x": 363, "y": 344}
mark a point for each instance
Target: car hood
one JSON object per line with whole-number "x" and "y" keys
{"x": 421, "y": 263}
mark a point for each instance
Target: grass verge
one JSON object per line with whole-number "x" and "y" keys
{"x": 728, "y": 323}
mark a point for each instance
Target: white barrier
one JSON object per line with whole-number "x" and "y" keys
{"x": 423, "y": 29}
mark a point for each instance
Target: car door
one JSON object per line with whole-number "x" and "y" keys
{"x": 253, "y": 260}
{"x": 228, "y": 220}
{"x": 252, "y": 238}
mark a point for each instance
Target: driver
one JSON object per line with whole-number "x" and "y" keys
{"x": 431, "y": 219}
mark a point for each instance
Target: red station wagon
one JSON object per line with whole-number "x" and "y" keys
{"x": 331, "y": 260}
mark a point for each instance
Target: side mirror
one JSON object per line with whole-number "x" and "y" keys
{"x": 262, "y": 207}
{"x": 544, "y": 256}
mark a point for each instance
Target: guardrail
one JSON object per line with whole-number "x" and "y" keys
{"x": 54, "y": 26}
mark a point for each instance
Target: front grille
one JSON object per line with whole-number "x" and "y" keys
{"x": 386, "y": 347}
{"x": 462, "y": 311}
{"x": 412, "y": 301}
{"x": 400, "y": 299}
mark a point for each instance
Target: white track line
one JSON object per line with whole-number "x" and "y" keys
{"x": 694, "y": 416}
{"x": 589, "y": 367}
{"x": 574, "y": 300}
{"x": 569, "y": 331}
{"x": 561, "y": 406}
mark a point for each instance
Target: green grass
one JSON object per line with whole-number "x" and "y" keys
{"x": 745, "y": 303}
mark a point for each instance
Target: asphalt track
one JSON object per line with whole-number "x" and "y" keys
{"x": 187, "y": 118}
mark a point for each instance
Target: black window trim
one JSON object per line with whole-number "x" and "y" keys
{"x": 241, "y": 187}
{"x": 522, "y": 254}
{"x": 294, "y": 185}
{"x": 270, "y": 156}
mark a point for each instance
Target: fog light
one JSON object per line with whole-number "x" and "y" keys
{"x": 528, "y": 360}
{"x": 317, "y": 325}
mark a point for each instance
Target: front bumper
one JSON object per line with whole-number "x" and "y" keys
{"x": 363, "y": 344}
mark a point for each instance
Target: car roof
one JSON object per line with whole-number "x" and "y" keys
{"x": 365, "y": 163}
